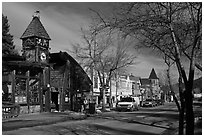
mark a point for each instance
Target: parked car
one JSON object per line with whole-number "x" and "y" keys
{"x": 127, "y": 103}
{"x": 159, "y": 101}
{"x": 149, "y": 103}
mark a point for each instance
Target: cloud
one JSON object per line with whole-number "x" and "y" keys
{"x": 63, "y": 21}
{"x": 144, "y": 66}
{"x": 63, "y": 29}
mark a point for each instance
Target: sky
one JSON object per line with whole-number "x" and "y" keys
{"x": 62, "y": 21}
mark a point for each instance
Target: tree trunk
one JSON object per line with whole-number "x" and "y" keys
{"x": 189, "y": 99}
{"x": 110, "y": 98}
{"x": 181, "y": 119}
{"x": 181, "y": 112}
{"x": 180, "y": 106}
{"x": 92, "y": 84}
{"x": 189, "y": 110}
{"x": 103, "y": 103}
{"x": 116, "y": 91}
{"x": 172, "y": 90}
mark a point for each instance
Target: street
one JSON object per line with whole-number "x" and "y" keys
{"x": 147, "y": 121}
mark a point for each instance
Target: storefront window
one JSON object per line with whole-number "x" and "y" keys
{"x": 34, "y": 91}
{"x": 95, "y": 82}
{"x": 20, "y": 91}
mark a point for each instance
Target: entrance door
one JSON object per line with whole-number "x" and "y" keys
{"x": 54, "y": 100}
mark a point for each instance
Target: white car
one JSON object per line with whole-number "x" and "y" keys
{"x": 127, "y": 103}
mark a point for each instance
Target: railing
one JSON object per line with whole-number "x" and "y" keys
{"x": 10, "y": 110}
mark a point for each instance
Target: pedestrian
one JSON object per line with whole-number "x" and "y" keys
{"x": 85, "y": 104}
{"x": 82, "y": 105}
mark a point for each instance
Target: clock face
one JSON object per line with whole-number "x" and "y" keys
{"x": 43, "y": 56}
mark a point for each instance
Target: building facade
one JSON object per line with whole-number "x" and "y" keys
{"x": 150, "y": 86}
{"x": 38, "y": 79}
{"x": 97, "y": 90}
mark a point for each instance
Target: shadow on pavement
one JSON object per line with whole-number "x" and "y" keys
{"x": 173, "y": 116}
{"x": 115, "y": 131}
{"x": 13, "y": 125}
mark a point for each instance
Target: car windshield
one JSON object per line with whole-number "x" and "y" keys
{"x": 126, "y": 100}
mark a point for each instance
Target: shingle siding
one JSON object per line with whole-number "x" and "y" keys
{"x": 35, "y": 28}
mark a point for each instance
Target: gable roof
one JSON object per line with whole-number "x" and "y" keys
{"x": 145, "y": 81}
{"x": 60, "y": 59}
{"x": 153, "y": 75}
{"x": 35, "y": 28}
{"x": 133, "y": 78}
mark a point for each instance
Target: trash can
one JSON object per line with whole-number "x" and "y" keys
{"x": 92, "y": 108}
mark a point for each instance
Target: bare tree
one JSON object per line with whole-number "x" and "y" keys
{"x": 104, "y": 54}
{"x": 181, "y": 105}
{"x": 174, "y": 29}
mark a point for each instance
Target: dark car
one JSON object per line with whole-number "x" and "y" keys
{"x": 159, "y": 101}
{"x": 149, "y": 103}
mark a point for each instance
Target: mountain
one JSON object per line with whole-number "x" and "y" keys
{"x": 197, "y": 86}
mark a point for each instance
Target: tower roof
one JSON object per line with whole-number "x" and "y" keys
{"x": 153, "y": 75}
{"x": 35, "y": 28}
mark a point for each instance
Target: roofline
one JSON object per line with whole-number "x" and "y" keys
{"x": 34, "y": 36}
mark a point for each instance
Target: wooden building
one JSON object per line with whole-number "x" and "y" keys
{"x": 68, "y": 81}
{"x": 38, "y": 78}
{"x": 23, "y": 83}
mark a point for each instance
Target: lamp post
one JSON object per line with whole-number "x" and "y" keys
{"x": 91, "y": 84}
{"x": 142, "y": 94}
{"x": 117, "y": 81}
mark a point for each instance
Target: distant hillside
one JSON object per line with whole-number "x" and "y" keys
{"x": 197, "y": 86}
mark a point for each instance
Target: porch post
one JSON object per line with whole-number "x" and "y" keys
{"x": 40, "y": 92}
{"x": 46, "y": 77}
{"x": 27, "y": 89}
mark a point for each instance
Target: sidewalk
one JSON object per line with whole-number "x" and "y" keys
{"x": 36, "y": 119}
{"x": 110, "y": 125}
{"x": 113, "y": 127}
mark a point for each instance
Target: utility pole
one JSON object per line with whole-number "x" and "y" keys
{"x": 110, "y": 98}
{"x": 117, "y": 80}
{"x": 92, "y": 83}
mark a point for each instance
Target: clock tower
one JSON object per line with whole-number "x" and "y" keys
{"x": 35, "y": 41}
